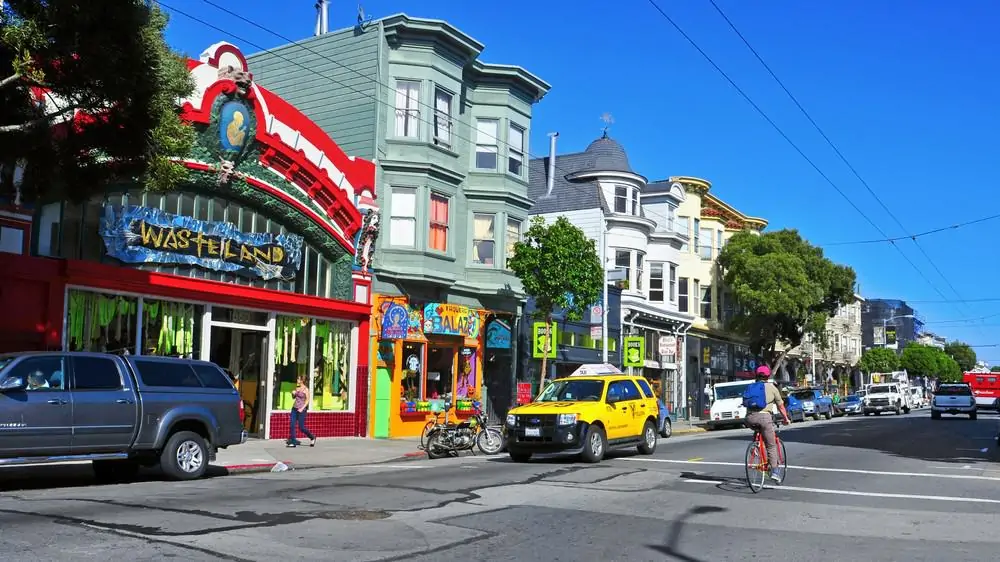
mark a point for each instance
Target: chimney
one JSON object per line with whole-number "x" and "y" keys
{"x": 322, "y": 17}
{"x": 552, "y": 164}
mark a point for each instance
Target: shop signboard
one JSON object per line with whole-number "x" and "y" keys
{"x": 451, "y": 320}
{"x": 395, "y": 322}
{"x": 635, "y": 351}
{"x": 523, "y": 392}
{"x": 148, "y": 235}
{"x": 667, "y": 344}
{"x": 498, "y": 334}
{"x": 542, "y": 341}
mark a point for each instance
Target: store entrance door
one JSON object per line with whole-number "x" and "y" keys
{"x": 244, "y": 353}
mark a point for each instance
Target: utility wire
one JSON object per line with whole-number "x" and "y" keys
{"x": 837, "y": 151}
{"x": 913, "y": 236}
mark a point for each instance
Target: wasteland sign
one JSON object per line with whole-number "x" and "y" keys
{"x": 148, "y": 235}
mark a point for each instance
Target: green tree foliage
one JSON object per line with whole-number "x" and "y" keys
{"x": 560, "y": 268}
{"x": 964, "y": 355}
{"x": 995, "y": 369}
{"x": 785, "y": 289}
{"x": 879, "y": 360}
{"x": 929, "y": 361}
{"x": 108, "y": 60}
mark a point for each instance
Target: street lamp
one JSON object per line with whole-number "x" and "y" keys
{"x": 885, "y": 322}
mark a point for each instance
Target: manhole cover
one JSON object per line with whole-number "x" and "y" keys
{"x": 354, "y": 515}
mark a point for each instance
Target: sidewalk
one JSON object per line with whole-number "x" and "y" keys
{"x": 694, "y": 425}
{"x": 261, "y": 455}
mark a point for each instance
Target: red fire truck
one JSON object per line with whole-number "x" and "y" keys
{"x": 986, "y": 388}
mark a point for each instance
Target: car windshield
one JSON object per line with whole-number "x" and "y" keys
{"x": 804, "y": 394}
{"x": 4, "y": 361}
{"x": 851, "y": 398}
{"x": 566, "y": 390}
{"x": 953, "y": 390}
{"x": 730, "y": 391}
{"x": 879, "y": 389}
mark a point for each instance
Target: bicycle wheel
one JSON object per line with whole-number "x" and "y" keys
{"x": 756, "y": 470}
{"x": 782, "y": 459}
{"x": 428, "y": 427}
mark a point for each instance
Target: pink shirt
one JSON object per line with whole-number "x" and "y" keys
{"x": 300, "y": 398}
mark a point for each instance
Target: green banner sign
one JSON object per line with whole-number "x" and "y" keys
{"x": 543, "y": 344}
{"x": 634, "y": 351}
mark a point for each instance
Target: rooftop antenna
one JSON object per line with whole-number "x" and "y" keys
{"x": 322, "y": 17}
{"x": 609, "y": 120}
{"x": 363, "y": 20}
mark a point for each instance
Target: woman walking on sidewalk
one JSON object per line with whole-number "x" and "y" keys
{"x": 300, "y": 406}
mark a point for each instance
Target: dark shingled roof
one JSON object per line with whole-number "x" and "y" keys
{"x": 603, "y": 155}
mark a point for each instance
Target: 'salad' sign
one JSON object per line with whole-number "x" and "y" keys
{"x": 148, "y": 235}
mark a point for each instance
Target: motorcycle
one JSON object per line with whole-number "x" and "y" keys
{"x": 449, "y": 439}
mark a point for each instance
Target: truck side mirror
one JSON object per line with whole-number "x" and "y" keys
{"x": 13, "y": 382}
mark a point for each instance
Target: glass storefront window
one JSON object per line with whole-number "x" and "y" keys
{"x": 171, "y": 329}
{"x": 412, "y": 381}
{"x": 468, "y": 372}
{"x": 440, "y": 372}
{"x": 331, "y": 373}
{"x": 291, "y": 359}
{"x": 101, "y": 322}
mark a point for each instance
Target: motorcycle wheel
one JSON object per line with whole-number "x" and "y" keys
{"x": 435, "y": 449}
{"x": 489, "y": 441}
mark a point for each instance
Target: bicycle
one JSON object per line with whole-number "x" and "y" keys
{"x": 756, "y": 460}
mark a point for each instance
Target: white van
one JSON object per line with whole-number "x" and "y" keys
{"x": 727, "y": 410}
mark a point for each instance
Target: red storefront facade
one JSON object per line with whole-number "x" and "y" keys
{"x": 254, "y": 264}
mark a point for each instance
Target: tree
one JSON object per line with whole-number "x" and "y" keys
{"x": 964, "y": 355}
{"x": 109, "y": 86}
{"x": 559, "y": 267}
{"x": 879, "y": 360}
{"x": 948, "y": 369}
{"x": 995, "y": 369}
{"x": 922, "y": 360}
{"x": 784, "y": 287}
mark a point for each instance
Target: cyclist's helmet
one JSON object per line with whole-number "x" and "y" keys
{"x": 763, "y": 372}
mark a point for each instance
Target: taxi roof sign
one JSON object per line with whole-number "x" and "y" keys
{"x": 596, "y": 369}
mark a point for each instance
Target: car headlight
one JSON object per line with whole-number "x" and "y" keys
{"x": 511, "y": 420}
{"x": 566, "y": 419}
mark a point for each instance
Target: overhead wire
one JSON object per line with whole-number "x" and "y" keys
{"x": 912, "y": 236}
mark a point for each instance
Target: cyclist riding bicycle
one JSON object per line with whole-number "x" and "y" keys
{"x": 763, "y": 400}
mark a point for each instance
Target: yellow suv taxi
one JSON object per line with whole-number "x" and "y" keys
{"x": 585, "y": 414}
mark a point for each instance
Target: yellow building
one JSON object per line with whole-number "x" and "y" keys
{"x": 711, "y": 354}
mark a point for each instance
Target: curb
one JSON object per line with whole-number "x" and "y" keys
{"x": 253, "y": 468}
{"x": 412, "y": 455}
{"x": 691, "y": 430}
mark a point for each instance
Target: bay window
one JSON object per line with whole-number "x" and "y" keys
{"x": 673, "y": 283}
{"x": 403, "y": 217}
{"x": 442, "y": 117}
{"x": 515, "y": 149}
{"x": 483, "y": 239}
{"x": 639, "y": 270}
{"x": 407, "y": 108}
{"x": 437, "y": 238}
{"x": 682, "y": 295}
{"x": 486, "y": 143}
{"x": 656, "y": 282}
{"x": 623, "y": 260}
{"x": 513, "y": 236}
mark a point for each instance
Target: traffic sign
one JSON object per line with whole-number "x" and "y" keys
{"x": 667, "y": 345}
{"x": 542, "y": 342}
{"x": 635, "y": 351}
{"x": 617, "y": 274}
{"x": 596, "y": 311}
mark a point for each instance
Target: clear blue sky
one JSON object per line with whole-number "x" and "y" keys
{"x": 905, "y": 88}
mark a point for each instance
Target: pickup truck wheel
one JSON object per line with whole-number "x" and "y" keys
{"x": 185, "y": 456}
{"x": 115, "y": 471}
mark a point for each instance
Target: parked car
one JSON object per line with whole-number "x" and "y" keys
{"x": 953, "y": 399}
{"x": 794, "y": 407}
{"x": 814, "y": 402}
{"x": 852, "y": 405}
{"x": 665, "y": 425}
{"x": 118, "y": 412}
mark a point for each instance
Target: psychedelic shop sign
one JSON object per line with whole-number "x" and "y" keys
{"x": 395, "y": 322}
{"x": 451, "y": 320}
{"x": 498, "y": 334}
{"x": 148, "y": 235}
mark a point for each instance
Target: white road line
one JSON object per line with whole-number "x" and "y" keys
{"x": 823, "y": 469}
{"x": 865, "y": 494}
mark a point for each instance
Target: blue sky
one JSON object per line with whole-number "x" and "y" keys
{"x": 902, "y": 87}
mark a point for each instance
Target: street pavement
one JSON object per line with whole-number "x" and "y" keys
{"x": 879, "y": 488}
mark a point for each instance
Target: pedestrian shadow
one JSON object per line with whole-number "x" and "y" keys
{"x": 671, "y": 547}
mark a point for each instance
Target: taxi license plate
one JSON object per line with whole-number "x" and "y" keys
{"x": 532, "y": 432}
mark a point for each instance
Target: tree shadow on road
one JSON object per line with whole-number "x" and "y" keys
{"x": 913, "y": 436}
{"x": 671, "y": 547}
{"x": 15, "y": 478}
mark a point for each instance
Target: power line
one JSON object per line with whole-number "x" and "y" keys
{"x": 914, "y": 236}
{"x": 960, "y": 320}
{"x": 839, "y": 154}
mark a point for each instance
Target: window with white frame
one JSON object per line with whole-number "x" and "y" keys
{"x": 673, "y": 283}
{"x": 442, "y": 117}
{"x": 515, "y": 149}
{"x": 682, "y": 294}
{"x": 697, "y": 235}
{"x": 705, "y": 238}
{"x": 407, "y": 108}
{"x": 639, "y": 269}
{"x": 621, "y": 199}
{"x": 706, "y": 301}
{"x": 623, "y": 261}
{"x": 487, "y": 131}
{"x": 635, "y": 202}
{"x": 656, "y": 281}
{"x": 695, "y": 296}
{"x": 719, "y": 240}
{"x": 483, "y": 238}
{"x": 684, "y": 228}
{"x": 671, "y": 217}
{"x": 513, "y": 236}
{"x": 438, "y": 222}
{"x": 403, "y": 217}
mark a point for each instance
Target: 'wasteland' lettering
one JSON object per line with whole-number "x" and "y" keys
{"x": 190, "y": 242}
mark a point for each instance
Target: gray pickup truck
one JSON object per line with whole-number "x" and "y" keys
{"x": 118, "y": 412}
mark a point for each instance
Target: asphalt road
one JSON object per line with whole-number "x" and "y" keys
{"x": 886, "y": 488}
